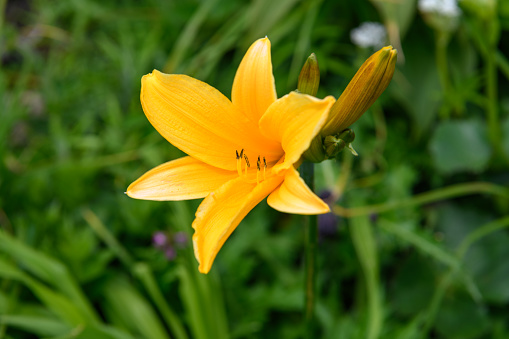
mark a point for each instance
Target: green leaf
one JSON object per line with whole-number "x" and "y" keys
{"x": 484, "y": 246}
{"x": 48, "y": 270}
{"x": 56, "y": 302}
{"x": 131, "y": 310}
{"x": 363, "y": 239}
{"x": 458, "y": 146}
{"x": 146, "y": 276}
{"x": 423, "y": 244}
{"x": 95, "y": 332}
{"x": 413, "y": 286}
{"x": 460, "y": 318}
{"x": 40, "y": 325}
{"x": 422, "y": 95}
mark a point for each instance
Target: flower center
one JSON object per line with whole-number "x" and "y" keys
{"x": 260, "y": 173}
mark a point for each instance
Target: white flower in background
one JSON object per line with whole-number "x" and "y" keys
{"x": 448, "y": 8}
{"x": 369, "y": 34}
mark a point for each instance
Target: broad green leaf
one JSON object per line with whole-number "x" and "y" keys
{"x": 420, "y": 92}
{"x": 458, "y": 146}
{"x": 413, "y": 285}
{"x": 460, "y": 318}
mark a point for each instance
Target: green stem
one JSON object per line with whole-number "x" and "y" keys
{"x": 491, "y": 92}
{"x": 146, "y": 276}
{"x": 502, "y": 63}
{"x": 364, "y": 242}
{"x": 441, "y": 42}
{"x": 307, "y": 171}
{"x": 425, "y": 198}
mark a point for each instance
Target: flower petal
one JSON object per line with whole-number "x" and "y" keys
{"x": 253, "y": 88}
{"x": 294, "y": 120}
{"x": 181, "y": 179}
{"x": 220, "y": 213}
{"x": 201, "y": 121}
{"x": 294, "y": 196}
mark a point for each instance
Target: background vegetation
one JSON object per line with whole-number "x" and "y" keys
{"x": 418, "y": 247}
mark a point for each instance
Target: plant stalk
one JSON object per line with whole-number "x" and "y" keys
{"x": 441, "y": 42}
{"x": 307, "y": 172}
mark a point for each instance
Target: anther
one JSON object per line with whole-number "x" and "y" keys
{"x": 247, "y": 163}
{"x": 264, "y": 167}
{"x": 258, "y": 171}
{"x": 239, "y": 161}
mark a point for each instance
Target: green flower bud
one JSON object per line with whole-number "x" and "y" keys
{"x": 334, "y": 144}
{"x": 309, "y": 77}
{"x": 315, "y": 152}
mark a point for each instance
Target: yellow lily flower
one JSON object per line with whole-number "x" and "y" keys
{"x": 240, "y": 151}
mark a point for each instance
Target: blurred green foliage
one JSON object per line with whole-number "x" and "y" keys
{"x": 420, "y": 250}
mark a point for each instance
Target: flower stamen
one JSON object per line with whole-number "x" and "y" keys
{"x": 247, "y": 163}
{"x": 243, "y": 171}
{"x": 264, "y": 168}
{"x": 239, "y": 161}
{"x": 258, "y": 171}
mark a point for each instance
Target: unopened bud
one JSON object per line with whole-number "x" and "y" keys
{"x": 369, "y": 82}
{"x": 309, "y": 78}
{"x": 315, "y": 152}
{"x": 334, "y": 144}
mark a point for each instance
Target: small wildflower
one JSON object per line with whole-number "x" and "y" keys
{"x": 448, "y": 8}
{"x": 328, "y": 223}
{"x": 159, "y": 239}
{"x": 369, "y": 34}
{"x": 170, "y": 253}
{"x": 441, "y": 15}
{"x": 169, "y": 243}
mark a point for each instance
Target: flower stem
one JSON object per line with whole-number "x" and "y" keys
{"x": 492, "y": 102}
{"x": 307, "y": 172}
{"x": 441, "y": 42}
{"x": 449, "y": 192}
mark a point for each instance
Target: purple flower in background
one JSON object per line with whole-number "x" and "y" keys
{"x": 159, "y": 239}
{"x": 170, "y": 253}
{"x": 328, "y": 223}
{"x": 169, "y": 243}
